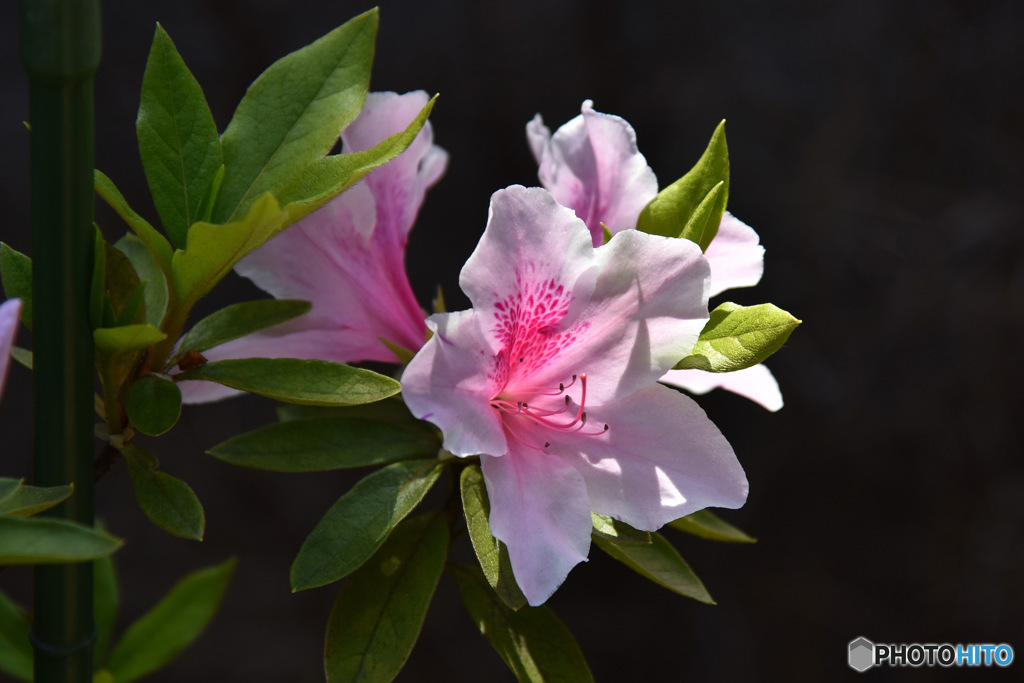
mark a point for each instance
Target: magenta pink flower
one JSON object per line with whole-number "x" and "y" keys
{"x": 347, "y": 258}
{"x": 551, "y": 378}
{"x": 9, "y": 312}
{"x": 592, "y": 165}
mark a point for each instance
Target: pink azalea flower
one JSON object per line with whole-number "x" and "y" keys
{"x": 347, "y": 258}
{"x": 9, "y": 312}
{"x": 552, "y": 378}
{"x": 593, "y": 166}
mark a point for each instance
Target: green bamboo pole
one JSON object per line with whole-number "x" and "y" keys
{"x": 60, "y": 43}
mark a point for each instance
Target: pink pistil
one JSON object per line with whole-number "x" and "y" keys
{"x": 542, "y": 416}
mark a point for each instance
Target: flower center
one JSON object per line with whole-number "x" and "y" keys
{"x": 561, "y": 419}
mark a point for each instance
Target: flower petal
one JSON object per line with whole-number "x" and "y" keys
{"x": 661, "y": 459}
{"x": 539, "y": 509}
{"x": 647, "y": 309}
{"x": 348, "y": 257}
{"x": 736, "y": 256}
{"x": 592, "y": 165}
{"x": 9, "y": 312}
{"x": 448, "y": 384}
{"x": 756, "y": 383}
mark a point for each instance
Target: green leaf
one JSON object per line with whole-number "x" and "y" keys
{"x": 8, "y": 487}
{"x": 490, "y": 552}
{"x": 41, "y": 540}
{"x": 178, "y": 139}
{"x": 706, "y": 524}
{"x": 670, "y": 211}
{"x": 123, "y": 285}
{"x": 738, "y": 337}
{"x": 660, "y": 563}
{"x": 105, "y": 604}
{"x": 361, "y": 521}
{"x": 116, "y": 340}
{"x": 149, "y": 272}
{"x": 16, "y": 274}
{"x": 293, "y": 113}
{"x": 210, "y": 198}
{"x": 22, "y": 356}
{"x": 238, "y": 320}
{"x": 153, "y": 405}
{"x": 319, "y": 444}
{"x": 154, "y": 241}
{"x": 168, "y": 502}
{"x": 317, "y": 184}
{"x": 618, "y": 532}
{"x": 16, "y": 654}
{"x": 706, "y": 216}
{"x": 309, "y": 382}
{"x": 171, "y": 626}
{"x": 213, "y": 250}
{"x": 533, "y": 642}
{"x": 379, "y": 613}
{"x": 606, "y": 233}
{"x": 402, "y": 354}
{"x": 26, "y": 501}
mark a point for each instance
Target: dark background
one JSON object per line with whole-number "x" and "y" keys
{"x": 875, "y": 146}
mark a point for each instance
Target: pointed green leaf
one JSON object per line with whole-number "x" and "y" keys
{"x": 115, "y": 340}
{"x": 706, "y": 524}
{"x": 319, "y": 444}
{"x": 39, "y": 540}
{"x": 706, "y": 216}
{"x": 670, "y": 211}
{"x": 105, "y": 604}
{"x": 213, "y": 250}
{"x": 154, "y": 241}
{"x": 379, "y": 613}
{"x": 490, "y": 552}
{"x": 153, "y": 405}
{"x": 317, "y": 184}
{"x": 738, "y": 337}
{"x": 607, "y": 233}
{"x": 293, "y": 113}
{"x": 16, "y": 274}
{"x": 210, "y": 198}
{"x": 122, "y": 284}
{"x": 22, "y": 356}
{"x": 660, "y": 563}
{"x": 172, "y": 625}
{"x": 168, "y": 502}
{"x": 309, "y": 382}
{"x": 16, "y": 654}
{"x": 533, "y": 642}
{"x": 8, "y": 487}
{"x": 149, "y": 272}
{"x": 31, "y": 500}
{"x": 361, "y": 521}
{"x": 238, "y": 320}
{"x": 178, "y": 139}
{"x": 618, "y": 532}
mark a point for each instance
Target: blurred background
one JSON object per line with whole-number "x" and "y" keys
{"x": 876, "y": 147}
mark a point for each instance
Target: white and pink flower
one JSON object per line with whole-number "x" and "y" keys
{"x": 552, "y": 379}
{"x": 347, "y": 258}
{"x": 9, "y": 312}
{"x": 593, "y": 166}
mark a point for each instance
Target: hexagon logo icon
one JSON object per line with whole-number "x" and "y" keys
{"x": 862, "y": 654}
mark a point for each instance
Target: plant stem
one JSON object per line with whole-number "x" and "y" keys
{"x": 60, "y": 42}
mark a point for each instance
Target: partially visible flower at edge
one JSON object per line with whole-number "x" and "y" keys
{"x": 592, "y": 165}
{"x": 347, "y": 258}
{"x": 9, "y": 312}
{"x": 552, "y": 378}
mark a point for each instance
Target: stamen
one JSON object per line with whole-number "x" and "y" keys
{"x": 543, "y": 416}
